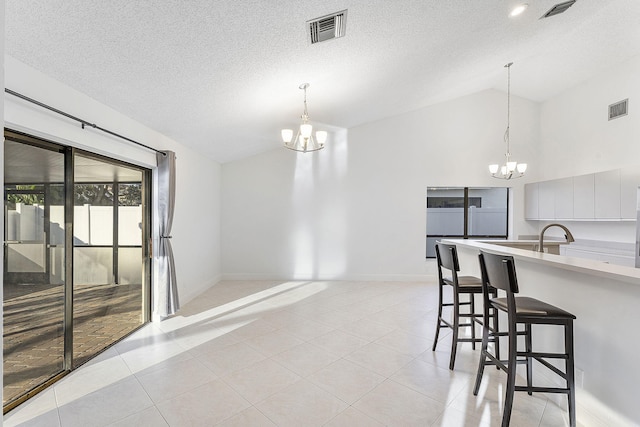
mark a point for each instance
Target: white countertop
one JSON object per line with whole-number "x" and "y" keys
{"x": 547, "y": 242}
{"x": 586, "y": 266}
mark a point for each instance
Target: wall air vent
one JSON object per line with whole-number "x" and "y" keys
{"x": 619, "y": 109}
{"x": 558, "y": 9}
{"x": 328, "y": 27}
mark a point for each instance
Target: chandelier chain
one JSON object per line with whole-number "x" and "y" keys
{"x": 510, "y": 169}
{"x": 506, "y": 132}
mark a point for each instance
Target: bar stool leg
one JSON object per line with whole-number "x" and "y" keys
{"x": 439, "y": 324}
{"x": 472, "y": 320}
{"x": 456, "y": 327}
{"x": 496, "y": 344}
{"x": 483, "y": 359}
{"x": 511, "y": 379}
{"x": 571, "y": 397}
{"x": 528, "y": 349}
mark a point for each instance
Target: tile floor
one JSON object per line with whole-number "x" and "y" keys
{"x": 287, "y": 354}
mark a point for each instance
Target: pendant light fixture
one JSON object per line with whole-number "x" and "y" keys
{"x": 510, "y": 169}
{"x": 304, "y": 140}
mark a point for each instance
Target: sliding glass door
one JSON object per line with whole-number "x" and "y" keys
{"x": 34, "y": 275}
{"x": 76, "y": 264}
{"x": 108, "y": 262}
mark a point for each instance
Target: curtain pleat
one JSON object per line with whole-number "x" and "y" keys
{"x": 167, "y": 283}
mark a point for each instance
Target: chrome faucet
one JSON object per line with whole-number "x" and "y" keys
{"x": 567, "y": 236}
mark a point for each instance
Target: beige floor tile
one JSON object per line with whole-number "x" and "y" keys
{"x": 274, "y": 342}
{"x": 45, "y": 419}
{"x": 406, "y": 343}
{"x": 439, "y": 384}
{"x": 526, "y": 411}
{"x": 351, "y": 417}
{"x": 337, "y": 318}
{"x": 150, "y": 417}
{"x": 367, "y": 330}
{"x": 247, "y": 418}
{"x": 40, "y": 410}
{"x": 260, "y": 380}
{"x": 231, "y": 358}
{"x": 346, "y": 380}
{"x": 176, "y": 379}
{"x": 151, "y": 353}
{"x": 98, "y": 407}
{"x": 253, "y": 328}
{"x": 455, "y": 418}
{"x": 203, "y": 406}
{"x": 216, "y": 343}
{"x": 394, "y": 404}
{"x": 305, "y": 359}
{"x": 301, "y": 404}
{"x": 339, "y": 343}
{"x": 379, "y": 359}
{"x": 307, "y": 330}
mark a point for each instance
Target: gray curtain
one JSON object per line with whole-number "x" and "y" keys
{"x": 167, "y": 284}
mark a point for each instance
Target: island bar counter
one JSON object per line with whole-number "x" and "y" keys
{"x": 606, "y": 301}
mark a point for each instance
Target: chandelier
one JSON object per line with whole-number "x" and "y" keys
{"x": 510, "y": 169}
{"x": 304, "y": 140}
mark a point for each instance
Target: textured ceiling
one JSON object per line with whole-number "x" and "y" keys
{"x": 222, "y": 76}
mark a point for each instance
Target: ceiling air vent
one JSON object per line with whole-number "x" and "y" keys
{"x": 328, "y": 27}
{"x": 558, "y": 9}
{"x": 618, "y": 109}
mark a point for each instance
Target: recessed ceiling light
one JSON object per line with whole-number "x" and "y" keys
{"x": 518, "y": 9}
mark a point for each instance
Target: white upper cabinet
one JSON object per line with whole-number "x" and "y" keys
{"x": 531, "y": 201}
{"x": 608, "y": 196}
{"x": 629, "y": 182}
{"x": 563, "y": 194}
{"x": 583, "y": 197}
{"x": 546, "y": 200}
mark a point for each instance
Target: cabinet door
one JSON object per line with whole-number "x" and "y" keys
{"x": 583, "y": 190}
{"x": 546, "y": 200}
{"x": 563, "y": 195}
{"x": 531, "y": 201}
{"x": 607, "y": 194}
{"x": 629, "y": 182}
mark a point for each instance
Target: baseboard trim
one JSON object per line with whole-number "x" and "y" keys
{"x": 350, "y": 278}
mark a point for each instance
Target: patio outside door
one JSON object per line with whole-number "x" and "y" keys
{"x": 76, "y": 273}
{"x": 33, "y": 279}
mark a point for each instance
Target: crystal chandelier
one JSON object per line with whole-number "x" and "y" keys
{"x": 510, "y": 169}
{"x": 304, "y": 140}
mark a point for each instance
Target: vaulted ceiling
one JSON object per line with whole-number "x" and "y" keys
{"x": 222, "y": 76}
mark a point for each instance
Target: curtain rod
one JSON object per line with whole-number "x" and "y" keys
{"x": 83, "y": 122}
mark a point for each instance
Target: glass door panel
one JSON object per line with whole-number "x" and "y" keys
{"x": 33, "y": 286}
{"x": 108, "y": 262}
{"x": 445, "y": 216}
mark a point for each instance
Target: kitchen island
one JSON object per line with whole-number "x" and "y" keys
{"x": 606, "y": 301}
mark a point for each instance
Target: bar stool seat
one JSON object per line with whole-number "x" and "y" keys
{"x": 526, "y": 306}
{"x": 468, "y": 283}
{"x": 447, "y": 258}
{"x": 498, "y": 271}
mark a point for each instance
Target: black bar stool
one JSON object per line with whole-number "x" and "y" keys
{"x": 447, "y": 257}
{"x": 499, "y": 272}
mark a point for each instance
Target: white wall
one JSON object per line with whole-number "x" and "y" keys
{"x": 577, "y": 138}
{"x": 196, "y": 232}
{"x": 356, "y": 209}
